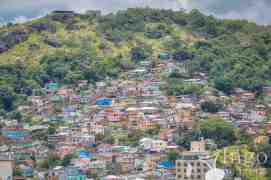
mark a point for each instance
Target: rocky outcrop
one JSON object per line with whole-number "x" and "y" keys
{"x": 10, "y": 39}
{"x": 45, "y": 26}
{"x": 72, "y": 27}
{"x": 52, "y": 42}
{"x": 65, "y": 17}
{"x": 3, "y": 47}
{"x": 33, "y": 47}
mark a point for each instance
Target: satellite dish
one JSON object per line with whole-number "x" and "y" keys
{"x": 215, "y": 174}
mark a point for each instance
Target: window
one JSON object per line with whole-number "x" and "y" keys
{"x": 179, "y": 176}
{"x": 198, "y": 170}
{"x": 198, "y": 177}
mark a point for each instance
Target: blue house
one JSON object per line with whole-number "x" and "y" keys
{"x": 15, "y": 134}
{"x": 104, "y": 102}
{"x": 73, "y": 173}
{"x": 86, "y": 154}
{"x": 166, "y": 164}
{"x": 27, "y": 171}
{"x": 53, "y": 86}
{"x": 164, "y": 56}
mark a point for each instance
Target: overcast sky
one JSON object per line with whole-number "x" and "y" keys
{"x": 254, "y": 10}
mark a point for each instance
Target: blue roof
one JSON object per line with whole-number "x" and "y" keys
{"x": 53, "y": 86}
{"x": 92, "y": 145}
{"x": 83, "y": 154}
{"x": 166, "y": 164}
{"x": 86, "y": 154}
{"x": 104, "y": 102}
{"x": 73, "y": 171}
{"x": 28, "y": 171}
{"x": 69, "y": 109}
{"x": 164, "y": 55}
{"x": 15, "y": 134}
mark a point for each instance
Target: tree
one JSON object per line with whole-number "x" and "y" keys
{"x": 67, "y": 160}
{"x": 7, "y": 98}
{"x": 182, "y": 55}
{"x": 220, "y": 131}
{"x": 197, "y": 19}
{"x": 185, "y": 136}
{"x": 53, "y": 160}
{"x": 264, "y": 150}
{"x": 210, "y": 106}
{"x": 176, "y": 86}
{"x": 224, "y": 84}
{"x": 51, "y": 130}
{"x": 138, "y": 54}
{"x": 172, "y": 155}
{"x": 154, "y": 131}
{"x": 18, "y": 171}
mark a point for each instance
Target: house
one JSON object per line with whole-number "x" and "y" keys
{"x": 166, "y": 168}
{"x": 15, "y": 133}
{"x": 185, "y": 113}
{"x": 71, "y": 173}
{"x": 121, "y": 149}
{"x": 146, "y": 124}
{"x": 98, "y": 129}
{"x": 104, "y": 148}
{"x": 63, "y": 12}
{"x": 82, "y": 139}
{"x": 267, "y": 91}
{"x": 57, "y": 138}
{"x": 260, "y": 139}
{"x": 6, "y": 168}
{"x": 166, "y": 134}
{"x": 164, "y": 56}
{"x": 245, "y": 96}
{"x": 52, "y": 86}
{"x": 195, "y": 163}
{"x": 195, "y": 81}
{"x": 63, "y": 92}
{"x": 27, "y": 171}
{"x": 158, "y": 146}
{"x": 152, "y": 145}
{"x": 82, "y": 83}
{"x": 39, "y": 104}
{"x": 104, "y": 102}
{"x": 100, "y": 84}
{"x": 190, "y": 167}
{"x": 65, "y": 149}
{"x": 111, "y": 177}
{"x": 197, "y": 146}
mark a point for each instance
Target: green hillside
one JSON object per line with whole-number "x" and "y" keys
{"x": 66, "y": 47}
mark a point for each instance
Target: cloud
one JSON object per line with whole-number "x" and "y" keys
{"x": 254, "y": 10}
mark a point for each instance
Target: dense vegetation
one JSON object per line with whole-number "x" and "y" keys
{"x": 92, "y": 47}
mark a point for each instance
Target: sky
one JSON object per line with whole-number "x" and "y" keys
{"x": 253, "y": 10}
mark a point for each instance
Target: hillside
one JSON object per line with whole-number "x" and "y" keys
{"x": 65, "y": 47}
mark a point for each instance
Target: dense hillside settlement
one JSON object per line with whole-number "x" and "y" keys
{"x": 139, "y": 94}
